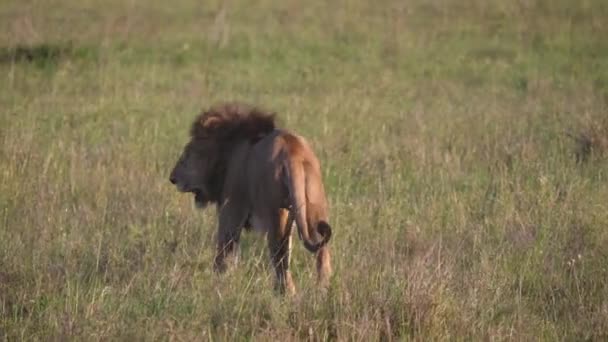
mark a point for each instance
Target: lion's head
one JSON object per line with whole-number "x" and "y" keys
{"x": 202, "y": 165}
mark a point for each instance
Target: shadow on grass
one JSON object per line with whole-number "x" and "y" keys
{"x": 45, "y": 54}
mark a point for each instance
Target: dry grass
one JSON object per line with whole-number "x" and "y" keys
{"x": 459, "y": 208}
{"x": 592, "y": 141}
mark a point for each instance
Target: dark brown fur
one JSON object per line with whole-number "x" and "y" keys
{"x": 233, "y": 121}
{"x": 260, "y": 177}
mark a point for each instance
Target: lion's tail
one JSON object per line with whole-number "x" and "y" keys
{"x": 308, "y": 205}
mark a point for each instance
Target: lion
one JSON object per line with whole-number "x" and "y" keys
{"x": 260, "y": 177}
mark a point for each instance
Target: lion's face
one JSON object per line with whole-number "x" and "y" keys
{"x": 194, "y": 171}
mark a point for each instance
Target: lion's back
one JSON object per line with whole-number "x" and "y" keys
{"x": 295, "y": 147}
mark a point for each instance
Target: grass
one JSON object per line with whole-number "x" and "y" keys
{"x": 463, "y": 147}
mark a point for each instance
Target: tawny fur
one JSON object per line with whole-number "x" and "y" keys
{"x": 258, "y": 176}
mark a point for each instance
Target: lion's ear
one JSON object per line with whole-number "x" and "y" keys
{"x": 208, "y": 125}
{"x": 210, "y": 122}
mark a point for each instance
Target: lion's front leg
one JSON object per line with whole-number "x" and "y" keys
{"x": 231, "y": 220}
{"x": 227, "y": 247}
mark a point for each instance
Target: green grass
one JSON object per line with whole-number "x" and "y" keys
{"x": 448, "y": 132}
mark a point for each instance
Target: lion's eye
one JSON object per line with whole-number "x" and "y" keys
{"x": 186, "y": 156}
{"x": 189, "y": 156}
{"x": 188, "y": 151}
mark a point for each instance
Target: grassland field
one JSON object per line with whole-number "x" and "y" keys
{"x": 464, "y": 147}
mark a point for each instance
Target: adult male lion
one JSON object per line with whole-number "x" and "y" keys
{"x": 258, "y": 176}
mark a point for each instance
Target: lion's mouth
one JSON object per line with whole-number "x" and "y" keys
{"x": 182, "y": 187}
{"x": 200, "y": 199}
{"x": 200, "y": 196}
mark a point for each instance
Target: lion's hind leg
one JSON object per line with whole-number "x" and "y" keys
{"x": 279, "y": 244}
{"x": 323, "y": 266}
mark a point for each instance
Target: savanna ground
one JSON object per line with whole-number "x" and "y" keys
{"x": 464, "y": 146}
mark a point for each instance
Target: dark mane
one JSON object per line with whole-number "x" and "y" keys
{"x": 233, "y": 121}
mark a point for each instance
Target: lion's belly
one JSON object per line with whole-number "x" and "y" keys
{"x": 257, "y": 224}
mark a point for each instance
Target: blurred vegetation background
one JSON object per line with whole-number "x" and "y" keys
{"x": 463, "y": 145}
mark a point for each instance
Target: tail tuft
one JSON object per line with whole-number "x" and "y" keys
{"x": 325, "y": 230}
